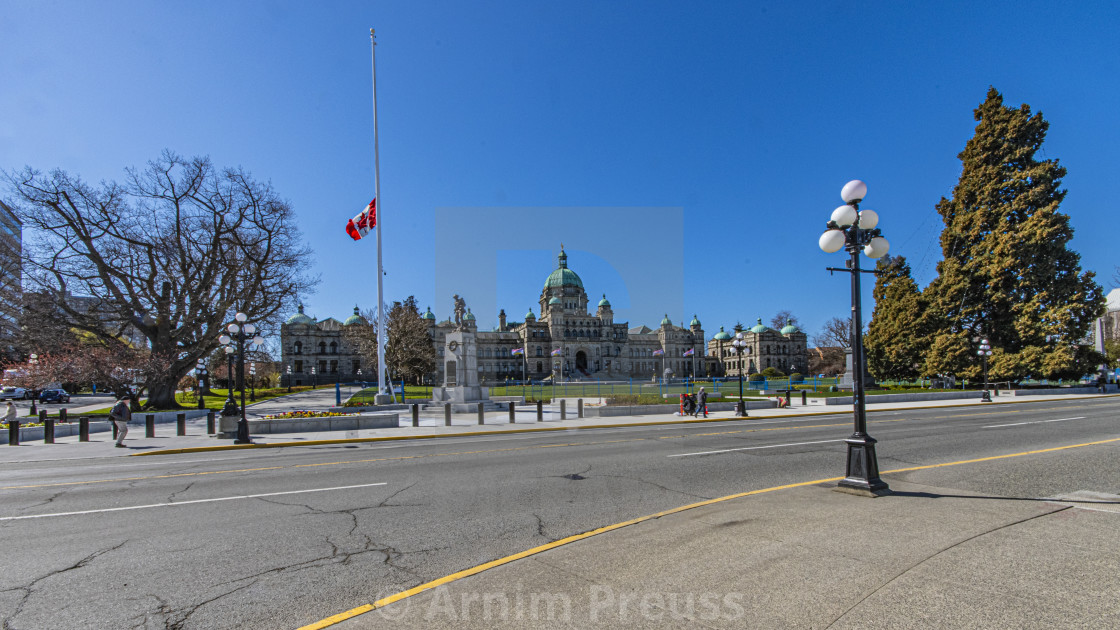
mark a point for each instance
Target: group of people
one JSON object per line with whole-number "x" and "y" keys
{"x": 694, "y": 404}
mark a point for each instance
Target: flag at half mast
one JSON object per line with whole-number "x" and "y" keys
{"x": 366, "y": 220}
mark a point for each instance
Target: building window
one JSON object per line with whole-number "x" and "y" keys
{"x": 334, "y": 367}
{"x": 298, "y": 369}
{"x": 334, "y": 347}
{"x": 297, "y": 347}
{"x": 322, "y": 347}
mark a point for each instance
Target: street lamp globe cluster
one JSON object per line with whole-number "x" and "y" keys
{"x": 238, "y": 331}
{"x": 857, "y": 230}
{"x": 985, "y": 351}
{"x": 739, "y": 349}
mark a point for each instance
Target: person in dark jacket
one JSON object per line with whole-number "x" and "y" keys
{"x": 701, "y": 403}
{"x": 121, "y": 414}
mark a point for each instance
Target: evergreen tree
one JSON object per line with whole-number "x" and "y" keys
{"x": 1007, "y": 273}
{"x": 898, "y": 335}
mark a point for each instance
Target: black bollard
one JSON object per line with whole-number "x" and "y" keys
{"x": 210, "y": 423}
{"x": 540, "y": 411}
{"x": 13, "y": 433}
{"x": 62, "y": 417}
{"x": 149, "y": 425}
{"x": 446, "y": 414}
{"x": 481, "y": 417}
{"x": 415, "y": 415}
{"x": 804, "y": 398}
{"x": 48, "y": 430}
{"x": 579, "y": 408}
{"x": 181, "y": 424}
{"x": 512, "y": 419}
{"x": 83, "y": 428}
{"x": 563, "y": 415}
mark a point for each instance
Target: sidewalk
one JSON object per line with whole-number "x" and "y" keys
{"x": 463, "y": 425}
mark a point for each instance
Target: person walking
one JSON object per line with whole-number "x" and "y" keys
{"x": 121, "y": 414}
{"x": 10, "y": 414}
{"x": 701, "y": 403}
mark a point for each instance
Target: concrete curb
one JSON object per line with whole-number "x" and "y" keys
{"x": 392, "y": 438}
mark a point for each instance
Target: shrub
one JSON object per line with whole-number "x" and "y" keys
{"x": 797, "y": 377}
{"x": 772, "y": 372}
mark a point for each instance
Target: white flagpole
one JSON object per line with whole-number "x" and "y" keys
{"x": 382, "y": 372}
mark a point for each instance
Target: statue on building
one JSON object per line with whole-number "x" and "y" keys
{"x": 460, "y": 310}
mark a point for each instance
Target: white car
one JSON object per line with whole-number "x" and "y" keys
{"x": 13, "y": 393}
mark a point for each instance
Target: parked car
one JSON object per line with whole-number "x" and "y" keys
{"x": 54, "y": 396}
{"x": 13, "y": 393}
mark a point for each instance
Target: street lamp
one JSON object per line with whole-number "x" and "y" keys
{"x": 289, "y": 370}
{"x": 252, "y": 381}
{"x": 240, "y": 330}
{"x": 33, "y": 361}
{"x": 200, "y": 371}
{"x": 314, "y": 381}
{"x": 985, "y": 351}
{"x": 851, "y": 229}
{"x": 739, "y": 349}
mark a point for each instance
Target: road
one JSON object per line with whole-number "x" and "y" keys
{"x": 282, "y": 538}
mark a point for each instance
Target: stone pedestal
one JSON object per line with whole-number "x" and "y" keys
{"x": 846, "y": 379}
{"x": 227, "y": 427}
{"x": 460, "y": 374}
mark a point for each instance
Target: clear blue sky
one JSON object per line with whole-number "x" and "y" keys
{"x": 686, "y": 153}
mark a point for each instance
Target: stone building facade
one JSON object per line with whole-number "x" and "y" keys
{"x": 785, "y": 350}
{"x": 316, "y": 351}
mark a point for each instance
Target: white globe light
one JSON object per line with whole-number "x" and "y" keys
{"x": 250, "y": 329}
{"x": 853, "y": 191}
{"x": 877, "y": 248}
{"x": 832, "y": 241}
{"x": 258, "y": 340}
{"x": 844, "y": 216}
{"x": 868, "y": 219}
{"x": 224, "y": 340}
{"x": 233, "y": 328}
{"x": 241, "y": 317}
{"x": 229, "y": 349}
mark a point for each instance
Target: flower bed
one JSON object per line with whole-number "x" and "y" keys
{"x": 292, "y": 415}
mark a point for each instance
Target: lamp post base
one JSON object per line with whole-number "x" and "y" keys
{"x": 243, "y": 433}
{"x": 986, "y": 396}
{"x": 741, "y": 409}
{"x": 863, "y": 469}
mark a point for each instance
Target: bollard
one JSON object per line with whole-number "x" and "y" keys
{"x": 181, "y": 424}
{"x": 42, "y": 416}
{"x": 415, "y": 415}
{"x": 62, "y": 417}
{"x": 481, "y": 417}
{"x": 540, "y": 411}
{"x": 83, "y": 428}
{"x": 210, "y": 422}
{"x": 563, "y": 416}
{"x": 48, "y": 431}
{"x": 446, "y": 414}
{"x": 804, "y": 400}
{"x": 512, "y": 419}
{"x": 13, "y": 433}
{"x": 149, "y": 425}
{"x": 579, "y": 408}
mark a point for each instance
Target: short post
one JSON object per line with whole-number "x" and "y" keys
{"x": 13, "y": 433}
{"x": 446, "y": 414}
{"x": 210, "y": 422}
{"x": 481, "y": 417}
{"x": 48, "y": 429}
{"x": 512, "y": 419}
{"x": 804, "y": 400}
{"x": 62, "y": 416}
{"x": 563, "y": 415}
{"x": 415, "y": 415}
{"x": 83, "y": 428}
{"x": 181, "y": 424}
{"x": 579, "y": 408}
{"x": 149, "y": 425}
{"x": 540, "y": 411}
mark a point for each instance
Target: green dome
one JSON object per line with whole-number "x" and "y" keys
{"x": 694, "y": 322}
{"x": 530, "y": 315}
{"x": 554, "y": 300}
{"x": 722, "y": 336}
{"x": 604, "y": 302}
{"x": 790, "y": 328}
{"x": 563, "y": 277}
{"x": 300, "y": 318}
{"x": 356, "y": 318}
{"x": 429, "y": 315}
{"x": 759, "y": 328}
{"x": 666, "y": 321}
{"x": 469, "y": 317}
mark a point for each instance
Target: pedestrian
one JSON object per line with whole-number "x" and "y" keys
{"x": 10, "y": 414}
{"x": 121, "y": 414}
{"x": 701, "y": 403}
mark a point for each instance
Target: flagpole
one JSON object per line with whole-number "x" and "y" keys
{"x": 382, "y": 372}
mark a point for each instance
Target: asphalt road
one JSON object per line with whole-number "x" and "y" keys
{"x": 281, "y": 538}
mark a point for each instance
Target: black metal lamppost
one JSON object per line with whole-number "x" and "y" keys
{"x": 32, "y": 361}
{"x": 739, "y": 347}
{"x": 252, "y": 381}
{"x": 289, "y": 370}
{"x": 240, "y": 330}
{"x": 855, "y": 230}
{"x": 200, "y": 371}
{"x": 985, "y": 351}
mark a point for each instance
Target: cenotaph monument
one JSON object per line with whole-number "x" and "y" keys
{"x": 460, "y": 373}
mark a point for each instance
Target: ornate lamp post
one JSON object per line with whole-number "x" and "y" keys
{"x": 855, "y": 230}
{"x": 33, "y": 361}
{"x": 739, "y": 349}
{"x": 985, "y": 351}
{"x": 200, "y": 371}
{"x": 252, "y": 381}
{"x": 240, "y": 329}
{"x": 314, "y": 381}
{"x": 289, "y": 370}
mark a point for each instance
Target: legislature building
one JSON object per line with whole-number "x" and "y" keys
{"x": 567, "y": 340}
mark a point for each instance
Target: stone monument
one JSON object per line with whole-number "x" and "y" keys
{"x": 460, "y": 374}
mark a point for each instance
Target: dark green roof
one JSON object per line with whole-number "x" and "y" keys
{"x": 563, "y": 277}
{"x": 300, "y": 318}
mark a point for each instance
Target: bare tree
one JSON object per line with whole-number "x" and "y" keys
{"x": 408, "y": 349}
{"x": 835, "y": 333}
{"x": 782, "y": 318}
{"x": 172, "y": 254}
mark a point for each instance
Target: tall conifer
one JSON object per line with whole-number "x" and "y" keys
{"x": 898, "y": 334}
{"x": 1007, "y": 273}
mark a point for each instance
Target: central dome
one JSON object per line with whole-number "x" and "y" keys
{"x": 563, "y": 277}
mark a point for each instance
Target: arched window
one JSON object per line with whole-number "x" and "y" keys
{"x": 334, "y": 347}
{"x": 322, "y": 347}
{"x": 539, "y": 354}
{"x": 297, "y": 348}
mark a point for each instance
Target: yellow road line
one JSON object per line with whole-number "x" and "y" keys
{"x": 354, "y": 612}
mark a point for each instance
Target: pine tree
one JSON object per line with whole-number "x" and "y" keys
{"x": 1007, "y": 273}
{"x": 901, "y": 325}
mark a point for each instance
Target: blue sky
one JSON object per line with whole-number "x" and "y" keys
{"x": 686, "y": 153}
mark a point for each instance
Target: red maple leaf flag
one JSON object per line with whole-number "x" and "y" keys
{"x": 366, "y": 220}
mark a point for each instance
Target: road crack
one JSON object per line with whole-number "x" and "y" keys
{"x": 29, "y": 589}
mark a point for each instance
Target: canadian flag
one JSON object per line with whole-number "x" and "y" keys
{"x": 366, "y": 220}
